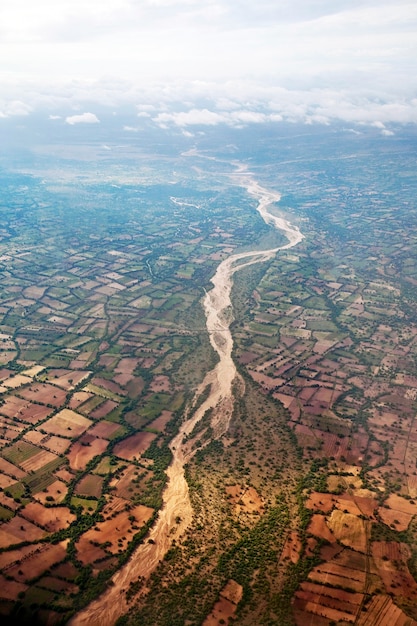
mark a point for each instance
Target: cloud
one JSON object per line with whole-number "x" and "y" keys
{"x": 83, "y": 118}
{"x": 186, "y": 63}
{"x": 13, "y": 108}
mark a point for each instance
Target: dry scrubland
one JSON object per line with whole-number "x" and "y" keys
{"x": 305, "y": 510}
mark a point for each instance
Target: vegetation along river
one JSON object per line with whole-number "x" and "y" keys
{"x": 176, "y": 502}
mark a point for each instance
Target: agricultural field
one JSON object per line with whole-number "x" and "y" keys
{"x": 305, "y": 509}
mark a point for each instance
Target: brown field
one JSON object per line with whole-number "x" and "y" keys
{"x": 64, "y": 474}
{"x": 321, "y": 502}
{"x": 104, "y": 409}
{"x": 160, "y": 383}
{"x": 327, "y": 612}
{"x": 18, "y": 408}
{"x": 88, "y": 552}
{"x": 55, "y": 444}
{"x": 90, "y": 485}
{"x": 66, "y": 570}
{"x": 160, "y": 422}
{"x": 126, "y": 365}
{"x": 292, "y": 548}
{"x": 391, "y": 560}
{"x": 67, "y": 423}
{"x": 9, "y": 558}
{"x": 6, "y": 481}
{"x": 135, "y": 386}
{"x": 109, "y": 385}
{"x": 41, "y": 559}
{"x": 319, "y": 528}
{"x": 348, "y": 529}
{"x": 122, "y": 379}
{"x": 134, "y": 446}
{"x": 338, "y": 575}
{"x": 56, "y": 584}
{"x": 117, "y": 528}
{"x": 14, "y": 382}
{"x": 225, "y": 608}
{"x": 11, "y": 470}
{"x": 85, "y": 449}
{"x": 326, "y": 601}
{"x": 51, "y": 519}
{"x": 399, "y": 512}
{"x": 44, "y": 393}
{"x": 244, "y": 499}
{"x": 10, "y": 589}
{"x": 38, "y": 460}
{"x": 57, "y": 491}
{"x": 104, "y": 429}
{"x": 78, "y": 398}
{"x": 18, "y": 530}
{"x": 6, "y": 501}
{"x": 381, "y": 611}
{"x": 130, "y": 481}
{"x": 67, "y": 379}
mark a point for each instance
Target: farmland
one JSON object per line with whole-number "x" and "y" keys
{"x": 304, "y": 511}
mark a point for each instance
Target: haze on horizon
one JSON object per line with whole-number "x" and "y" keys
{"x": 207, "y": 62}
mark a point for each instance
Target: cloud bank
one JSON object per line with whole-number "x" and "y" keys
{"x": 210, "y": 62}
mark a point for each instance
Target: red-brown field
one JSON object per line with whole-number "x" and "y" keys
{"x": 56, "y": 584}
{"x": 57, "y": 491}
{"x": 23, "y": 410}
{"x": 59, "y": 445}
{"x": 130, "y": 481}
{"x": 41, "y": 559}
{"x": 321, "y": 502}
{"x": 85, "y": 449}
{"x": 104, "y": 429}
{"x": 391, "y": 560}
{"x": 11, "y": 470}
{"x": 78, "y": 398}
{"x": 319, "y": 528}
{"x": 67, "y": 423}
{"x": 327, "y": 602}
{"x": 44, "y": 393}
{"x": 10, "y": 589}
{"x": 244, "y": 499}
{"x": 18, "y": 530}
{"x": 134, "y": 446}
{"x": 38, "y": 460}
{"x": 381, "y": 611}
{"x": 337, "y": 575}
{"x": 292, "y": 548}
{"x": 225, "y": 608}
{"x": 117, "y": 528}
{"x": 90, "y": 485}
{"x": 67, "y": 379}
{"x": 109, "y": 385}
{"x": 160, "y": 422}
{"x": 51, "y": 519}
{"x": 103, "y": 410}
{"x": 160, "y": 383}
{"x": 397, "y": 512}
{"x": 88, "y": 552}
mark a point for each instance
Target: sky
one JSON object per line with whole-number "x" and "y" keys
{"x": 186, "y": 63}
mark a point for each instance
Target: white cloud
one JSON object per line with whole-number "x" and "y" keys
{"x": 83, "y": 118}
{"x": 14, "y": 107}
{"x": 214, "y": 61}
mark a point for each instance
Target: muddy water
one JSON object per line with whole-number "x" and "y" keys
{"x": 176, "y": 513}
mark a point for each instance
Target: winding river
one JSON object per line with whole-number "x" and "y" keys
{"x": 176, "y": 513}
